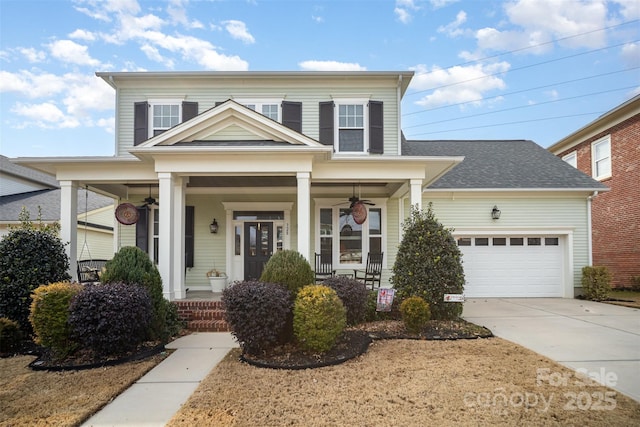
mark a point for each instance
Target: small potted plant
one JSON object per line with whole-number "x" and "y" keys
{"x": 217, "y": 280}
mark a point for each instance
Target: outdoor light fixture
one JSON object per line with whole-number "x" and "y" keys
{"x": 495, "y": 213}
{"x": 213, "y": 227}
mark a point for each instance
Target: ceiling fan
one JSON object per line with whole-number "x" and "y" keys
{"x": 150, "y": 201}
{"x": 356, "y": 208}
{"x": 353, "y": 200}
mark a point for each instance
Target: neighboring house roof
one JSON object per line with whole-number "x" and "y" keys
{"x": 618, "y": 114}
{"x": 48, "y": 199}
{"x": 511, "y": 164}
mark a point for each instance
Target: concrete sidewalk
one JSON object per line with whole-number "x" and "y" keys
{"x": 158, "y": 395}
{"x": 596, "y": 337}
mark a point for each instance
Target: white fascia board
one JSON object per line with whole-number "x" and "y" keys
{"x": 516, "y": 190}
{"x": 51, "y": 165}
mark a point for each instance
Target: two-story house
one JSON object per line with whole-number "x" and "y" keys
{"x": 222, "y": 169}
{"x": 608, "y": 149}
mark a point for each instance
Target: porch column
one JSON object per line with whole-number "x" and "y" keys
{"x": 304, "y": 213}
{"x": 166, "y": 233}
{"x": 69, "y": 223}
{"x": 179, "y": 186}
{"x": 416, "y": 192}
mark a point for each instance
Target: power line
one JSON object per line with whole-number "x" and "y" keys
{"x": 523, "y": 67}
{"x": 520, "y": 107}
{"x": 521, "y": 91}
{"x": 526, "y": 48}
{"x": 511, "y": 123}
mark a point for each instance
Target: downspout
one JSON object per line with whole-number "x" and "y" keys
{"x": 117, "y": 120}
{"x": 589, "y": 233}
{"x": 399, "y": 118}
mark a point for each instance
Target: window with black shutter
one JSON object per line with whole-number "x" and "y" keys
{"x": 326, "y": 123}
{"x": 376, "y": 129}
{"x": 140, "y": 122}
{"x": 292, "y": 115}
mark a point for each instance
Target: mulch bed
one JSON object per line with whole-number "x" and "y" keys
{"x": 355, "y": 341}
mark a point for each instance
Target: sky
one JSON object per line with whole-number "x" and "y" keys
{"x": 484, "y": 69}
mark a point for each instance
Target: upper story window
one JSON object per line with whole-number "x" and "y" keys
{"x": 601, "y": 158}
{"x": 572, "y": 159}
{"x": 164, "y": 115}
{"x": 351, "y": 129}
{"x": 268, "y": 108}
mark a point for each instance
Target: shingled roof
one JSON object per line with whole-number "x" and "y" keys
{"x": 509, "y": 164}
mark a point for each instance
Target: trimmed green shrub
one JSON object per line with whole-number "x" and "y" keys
{"x": 596, "y": 283}
{"x": 415, "y": 314}
{"x": 30, "y": 256}
{"x": 50, "y": 316}
{"x": 353, "y": 294}
{"x": 131, "y": 265}
{"x": 258, "y": 314}
{"x": 288, "y": 268}
{"x": 10, "y": 335}
{"x": 173, "y": 324}
{"x": 429, "y": 264}
{"x": 111, "y": 319}
{"x": 319, "y": 317}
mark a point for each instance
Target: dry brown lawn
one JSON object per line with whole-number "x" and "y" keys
{"x": 409, "y": 383}
{"x": 66, "y": 398}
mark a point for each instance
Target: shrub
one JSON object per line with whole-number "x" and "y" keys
{"x": 173, "y": 322}
{"x": 319, "y": 317}
{"x": 353, "y": 294}
{"x": 111, "y": 319}
{"x": 635, "y": 283}
{"x": 289, "y": 268}
{"x": 30, "y": 256}
{"x": 596, "y": 283}
{"x": 131, "y": 265}
{"x": 50, "y": 316}
{"x": 429, "y": 264}
{"x": 10, "y": 335}
{"x": 415, "y": 314}
{"x": 258, "y": 314}
{"x": 372, "y": 314}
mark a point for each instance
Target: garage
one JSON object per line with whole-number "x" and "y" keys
{"x": 512, "y": 266}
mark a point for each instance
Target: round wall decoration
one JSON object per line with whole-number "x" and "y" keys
{"x": 127, "y": 214}
{"x": 359, "y": 212}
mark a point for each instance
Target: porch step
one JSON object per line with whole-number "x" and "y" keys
{"x": 202, "y": 316}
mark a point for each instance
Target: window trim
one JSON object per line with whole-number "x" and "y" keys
{"x": 594, "y": 161}
{"x": 259, "y": 102}
{"x": 162, "y": 101}
{"x": 364, "y": 102}
{"x": 571, "y": 158}
{"x": 335, "y": 205}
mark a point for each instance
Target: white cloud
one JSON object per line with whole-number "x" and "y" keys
{"x": 80, "y": 34}
{"x": 45, "y": 115}
{"x": 630, "y": 9}
{"x": 71, "y": 52}
{"x": 31, "y": 85}
{"x": 238, "y": 30}
{"x": 178, "y": 14}
{"x": 33, "y": 55}
{"x": 154, "y": 54}
{"x": 631, "y": 54}
{"x": 404, "y": 10}
{"x": 108, "y": 124}
{"x": 437, "y": 4}
{"x": 330, "y": 66}
{"x": 457, "y": 84}
{"x": 453, "y": 29}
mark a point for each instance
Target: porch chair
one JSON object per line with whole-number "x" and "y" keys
{"x": 89, "y": 270}
{"x": 324, "y": 267}
{"x": 372, "y": 274}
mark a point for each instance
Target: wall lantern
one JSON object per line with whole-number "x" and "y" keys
{"x": 213, "y": 227}
{"x": 495, "y": 213}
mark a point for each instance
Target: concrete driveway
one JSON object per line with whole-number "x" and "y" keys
{"x": 601, "y": 340}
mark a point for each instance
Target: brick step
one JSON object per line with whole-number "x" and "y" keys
{"x": 202, "y": 316}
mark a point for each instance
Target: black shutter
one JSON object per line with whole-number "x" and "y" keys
{"x": 292, "y": 115}
{"x": 142, "y": 229}
{"x": 189, "y": 236}
{"x": 220, "y": 103}
{"x": 326, "y": 123}
{"x": 376, "y": 128}
{"x": 140, "y": 122}
{"x": 189, "y": 110}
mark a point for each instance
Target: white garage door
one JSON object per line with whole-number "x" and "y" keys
{"x": 512, "y": 266}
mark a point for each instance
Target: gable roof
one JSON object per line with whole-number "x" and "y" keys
{"x": 41, "y": 179}
{"x": 502, "y": 165}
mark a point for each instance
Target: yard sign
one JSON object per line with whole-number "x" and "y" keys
{"x": 385, "y": 299}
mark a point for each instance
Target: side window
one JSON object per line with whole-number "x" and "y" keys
{"x": 151, "y": 118}
{"x": 352, "y": 125}
{"x": 601, "y": 158}
{"x": 351, "y": 128}
{"x": 572, "y": 159}
{"x": 163, "y": 117}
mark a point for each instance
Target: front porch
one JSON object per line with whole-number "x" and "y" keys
{"x": 202, "y": 311}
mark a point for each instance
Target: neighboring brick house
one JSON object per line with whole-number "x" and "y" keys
{"x": 608, "y": 149}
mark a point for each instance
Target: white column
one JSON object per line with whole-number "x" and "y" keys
{"x": 166, "y": 233}
{"x": 179, "y": 186}
{"x": 69, "y": 223}
{"x": 416, "y": 192}
{"x": 304, "y": 213}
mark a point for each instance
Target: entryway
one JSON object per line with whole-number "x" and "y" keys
{"x": 258, "y": 248}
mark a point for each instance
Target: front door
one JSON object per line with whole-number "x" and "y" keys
{"x": 258, "y": 244}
